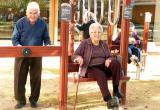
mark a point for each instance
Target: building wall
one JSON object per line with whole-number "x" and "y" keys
{"x": 156, "y": 34}
{"x": 139, "y": 13}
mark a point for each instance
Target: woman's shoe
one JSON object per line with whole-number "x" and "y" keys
{"x": 119, "y": 95}
{"x": 113, "y": 102}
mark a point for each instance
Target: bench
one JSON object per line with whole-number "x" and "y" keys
{"x": 74, "y": 69}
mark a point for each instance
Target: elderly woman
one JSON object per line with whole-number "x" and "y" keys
{"x": 95, "y": 61}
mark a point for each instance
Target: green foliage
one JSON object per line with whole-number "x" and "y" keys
{"x": 5, "y": 23}
{"x": 52, "y": 70}
{"x": 19, "y": 6}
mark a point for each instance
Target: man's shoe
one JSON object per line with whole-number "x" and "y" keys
{"x": 33, "y": 104}
{"x": 113, "y": 103}
{"x": 135, "y": 60}
{"x": 20, "y": 104}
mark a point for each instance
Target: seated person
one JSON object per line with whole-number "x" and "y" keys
{"x": 95, "y": 61}
{"x": 88, "y": 19}
{"x": 134, "y": 53}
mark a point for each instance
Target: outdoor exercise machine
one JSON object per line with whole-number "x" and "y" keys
{"x": 62, "y": 51}
{"x": 127, "y": 6}
{"x": 126, "y": 13}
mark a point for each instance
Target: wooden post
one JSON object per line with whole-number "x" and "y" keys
{"x": 71, "y": 37}
{"x": 145, "y": 40}
{"x": 145, "y": 35}
{"x": 124, "y": 45}
{"x": 53, "y": 20}
{"x": 147, "y": 21}
{"x": 109, "y": 36}
{"x": 64, "y": 66}
{"x": 65, "y": 18}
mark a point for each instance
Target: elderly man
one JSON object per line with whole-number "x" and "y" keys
{"x": 30, "y": 30}
{"x": 95, "y": 61}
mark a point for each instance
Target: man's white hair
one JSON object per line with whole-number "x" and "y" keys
{"x": 33, "y": 5}
{"x": 93, "y": 25}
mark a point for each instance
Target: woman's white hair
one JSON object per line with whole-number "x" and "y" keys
{"x": 93, "y": 25}
{"x": 132, "y": 27}
{"x": 88, "y": 16}
{"x": 33, "y": 5}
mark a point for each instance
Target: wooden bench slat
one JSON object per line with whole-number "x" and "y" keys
{"x": 76, "y": 79}
{"x": 74, "y": 67}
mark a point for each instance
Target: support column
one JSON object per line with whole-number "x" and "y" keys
{"x": 63, "y": 90}
{"x": 147, "y": 21}
{"x": 109, "y": 36}
{"x": 53, "y": 21}
{"x": 156, "y": 30}
{"x": 64, "y": 66}
{"x": 145, "y": 35}
{"x": 72, "y": 29}
{"x": 124, "y": 45}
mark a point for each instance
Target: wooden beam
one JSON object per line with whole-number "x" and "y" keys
{"x": 36, "y": 51}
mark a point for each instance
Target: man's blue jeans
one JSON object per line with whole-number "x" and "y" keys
{"x": 133, "y": 50}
